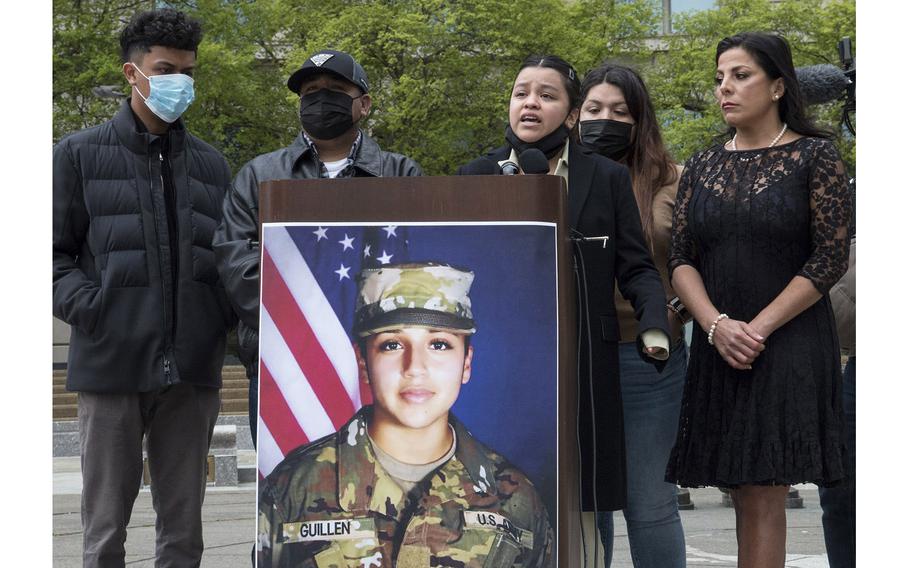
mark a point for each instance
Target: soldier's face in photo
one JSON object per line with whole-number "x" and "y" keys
{"x": 415, "y": 374}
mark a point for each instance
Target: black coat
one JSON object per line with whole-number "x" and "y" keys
{"x": 601, "y": 203}
{"x": 113, "y": 280}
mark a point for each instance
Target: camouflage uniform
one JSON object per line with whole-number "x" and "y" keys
{"x": 330, "y": 504}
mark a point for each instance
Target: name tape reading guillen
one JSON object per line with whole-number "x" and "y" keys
{"x": 344, "y": 529}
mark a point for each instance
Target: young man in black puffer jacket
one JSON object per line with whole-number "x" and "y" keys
{"x": 136, "y": 202}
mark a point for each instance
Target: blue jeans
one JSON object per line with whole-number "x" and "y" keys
{"x": 839, "y": 503}
{"x": 650, "y": 402}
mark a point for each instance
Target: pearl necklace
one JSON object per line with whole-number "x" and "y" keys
{"x": 773, "y": 142}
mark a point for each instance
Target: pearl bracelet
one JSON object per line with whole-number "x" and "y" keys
{"x": 714, "y": 327}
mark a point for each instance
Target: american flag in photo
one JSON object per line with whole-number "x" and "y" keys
{"x": 308, "y": 384}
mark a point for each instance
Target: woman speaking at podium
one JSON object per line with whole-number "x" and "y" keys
{"x": 609, "y": 247}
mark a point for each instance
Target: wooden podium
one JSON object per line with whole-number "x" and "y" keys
{"x": 531, "y": 198}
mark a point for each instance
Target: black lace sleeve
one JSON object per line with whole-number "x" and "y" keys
{"x": 682, "y": 248}
{"x": 830, "y": 204}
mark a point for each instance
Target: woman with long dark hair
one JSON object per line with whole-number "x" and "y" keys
{"x": 543, "y": 110}
{"x": 618, "y": 121}
{"x": 759, "y": 236}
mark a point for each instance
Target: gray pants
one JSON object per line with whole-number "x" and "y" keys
{"x": 177, "y": 423}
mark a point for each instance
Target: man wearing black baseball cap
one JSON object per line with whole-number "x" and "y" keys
{"x": 334, "y": 98}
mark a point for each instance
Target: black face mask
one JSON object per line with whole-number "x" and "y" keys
{"x": 609, "y": 138}
{"x": 550, "y": 145}
{"x": 326, "y": 114}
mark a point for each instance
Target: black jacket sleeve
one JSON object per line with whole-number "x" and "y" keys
{"x": 76, "y": 296}
{"x": 236, "y": 246}
{"x": 408, "y": 167}
{"x": 637, "y": 278}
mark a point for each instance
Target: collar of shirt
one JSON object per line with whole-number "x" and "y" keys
{"x": 348, "y": 170}
{"x": 364, "y": 485}
{"x": 562, "y": 166}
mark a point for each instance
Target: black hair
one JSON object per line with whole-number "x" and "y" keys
{"x": 649, "y": 163}
{"x": 165, "y": 27}
{"x": 566, "y": 71}
{"x": 772, "y": 53}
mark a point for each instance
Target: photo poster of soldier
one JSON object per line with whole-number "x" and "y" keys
{"x": 338, "y": 303}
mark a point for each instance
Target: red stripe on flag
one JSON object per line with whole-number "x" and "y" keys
{"x": 279, "y": 419}
{"x": 303, "y": 344}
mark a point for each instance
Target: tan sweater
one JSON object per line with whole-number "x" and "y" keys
{"x": 662, "y": 210}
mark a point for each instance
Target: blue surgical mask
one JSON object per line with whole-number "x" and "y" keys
{"x": 169, "y": 95}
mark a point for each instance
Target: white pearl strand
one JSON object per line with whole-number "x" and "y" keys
{"x": 773, "y": 142}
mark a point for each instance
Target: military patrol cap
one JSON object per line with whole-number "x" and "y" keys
{"x": 425, "y": 294}
{"x": 334, "y": 62}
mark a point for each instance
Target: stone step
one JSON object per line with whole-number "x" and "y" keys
{"x": 69, "y": 411}
{"x": 230, "y": 372}
{"x": 240, "y": 384}
{"x": 65, "y": 411}
{"x": 235, "y": 406}
{"x": 64, "y": 398}
{"x": 236, "y": 393}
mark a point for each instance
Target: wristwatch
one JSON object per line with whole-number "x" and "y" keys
{"x": 680, "y": 310}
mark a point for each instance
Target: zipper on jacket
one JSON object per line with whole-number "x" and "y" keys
{"x": 168, "y": 329}
{"x": 173, "y": 246}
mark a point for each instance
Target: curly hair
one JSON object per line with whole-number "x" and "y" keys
{"x": 165, "y": 27}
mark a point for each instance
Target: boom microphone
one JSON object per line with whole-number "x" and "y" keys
{"x": 821, "y": 83}
{"x": 479, "y": 167}
{"x": 533, "y": 161}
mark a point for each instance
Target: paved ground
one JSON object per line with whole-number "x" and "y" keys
{"x": 227, "y": 514}
{"x": 228, "y": 517}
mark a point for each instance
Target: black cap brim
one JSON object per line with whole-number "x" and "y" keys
{"x": 295, "y": 80}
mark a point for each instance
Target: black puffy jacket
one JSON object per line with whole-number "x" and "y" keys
{"x": 238, "y": 257}
{"x": 135, "y": 328}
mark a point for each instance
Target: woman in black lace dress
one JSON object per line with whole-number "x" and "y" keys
{"x": 759, "y": 236}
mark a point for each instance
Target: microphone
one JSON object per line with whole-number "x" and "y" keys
{"x": 509, "y": 169}
{"x": 533, "y": 161}
{"x": 479, "y": 167}
{"x": 821, "y": 83}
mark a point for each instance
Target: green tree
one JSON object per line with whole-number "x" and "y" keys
{"x": 440, "y": 70}
{"x": 86, "y": 56}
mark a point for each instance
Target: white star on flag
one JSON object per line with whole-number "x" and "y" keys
{"x": 320, "y": 233}
{"x": 390, "y": 231}
{"x": 346, "y": 242}
{"x": 366, "y": 251}
{"x": 343, "y": 272}
{"x": 385, "y": 258}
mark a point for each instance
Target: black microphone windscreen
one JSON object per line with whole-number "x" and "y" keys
{"x": 821, "y": 83}
{"x": 533, "y": 161}
{"x": 480, "y": 167}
